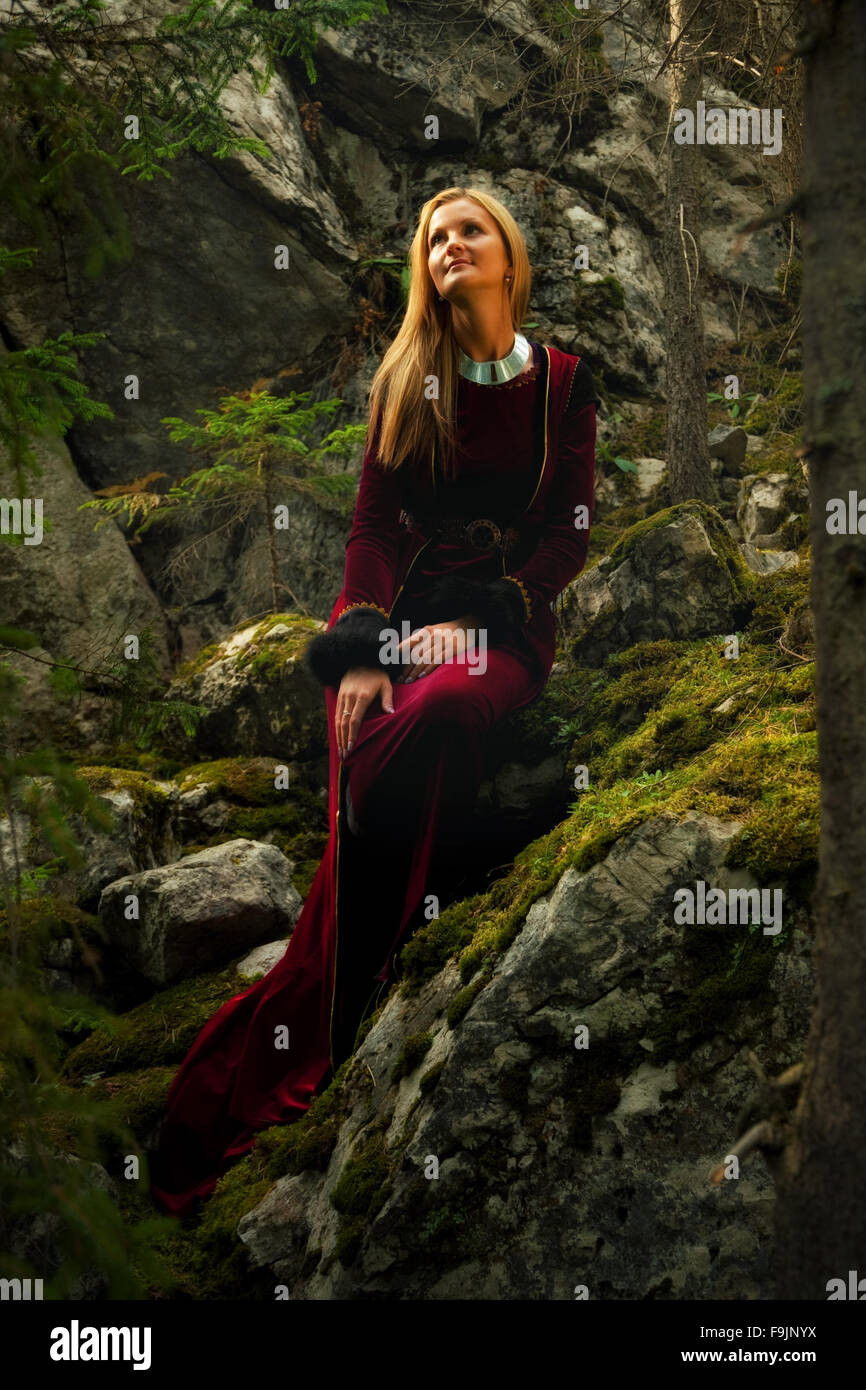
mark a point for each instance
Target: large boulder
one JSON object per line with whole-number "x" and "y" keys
{"x": 81, "y": 593}
{"x": 675, "y": 575}
{"x": 202, "y": 911}
{"x": 495, "y": 1158}
{"x": 258, "y": 696}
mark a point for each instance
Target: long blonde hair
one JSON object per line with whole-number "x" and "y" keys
{"x": 425, "y": 346}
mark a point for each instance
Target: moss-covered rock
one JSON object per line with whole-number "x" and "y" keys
{"x": 155, "y": 1033}
{"x": 257, "y": 695}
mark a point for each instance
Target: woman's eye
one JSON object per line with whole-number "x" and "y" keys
{"x": 470, "y": 227}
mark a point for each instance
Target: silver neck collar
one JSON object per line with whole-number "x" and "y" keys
{"x": 504, "y": 369}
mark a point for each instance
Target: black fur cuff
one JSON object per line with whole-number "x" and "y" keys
{"x": 352, "y": 641}
{"x": 496, "y": 603}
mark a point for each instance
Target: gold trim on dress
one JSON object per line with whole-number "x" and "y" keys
{"x": 406, "y": 576}
{"x": 544, "y": 459}
{"x": 378, "y": 608}
{"x": 336, "y": 917}
{"x": 526, "y": 599}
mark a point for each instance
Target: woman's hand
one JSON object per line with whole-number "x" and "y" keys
{"x": 358, "y": 689}
{"x": 419, "y": 650}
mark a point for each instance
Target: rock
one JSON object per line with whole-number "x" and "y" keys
{"x": 518, "y": 790}
{"x": 262, "y": 959}
{"x": 259, "y": 698}
{"x": 650, "y": 473}
{"x": 728, "y": 443}
{"x": 81, "y": 592}
{"x": 768, "y": 503}
{"x": 676, "y": 575}
{"x": 768, "y": 561}
{"x": 799, "y": 633}
{"x": 557, "y": 1165}
{"x": 198, "y": 913}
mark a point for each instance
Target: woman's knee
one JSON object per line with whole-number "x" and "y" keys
{"x": 453, "y": 697}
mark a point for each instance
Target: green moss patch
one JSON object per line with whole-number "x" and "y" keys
{"x": 259, "y": 649}
{"x": 415, "y": 1048}
{"x": 664, "y": 728}
{"x": 155, "y": 1033}
{"x": 359, "y": 1194}
{"x": 723, "y": 966}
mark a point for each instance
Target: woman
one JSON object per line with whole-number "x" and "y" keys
{"x": 473, "y": 514}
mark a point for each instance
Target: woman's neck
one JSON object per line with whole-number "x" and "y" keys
{"x": 484, "y": 334}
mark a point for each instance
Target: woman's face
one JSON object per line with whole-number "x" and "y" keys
{"x": 465, "y": 251}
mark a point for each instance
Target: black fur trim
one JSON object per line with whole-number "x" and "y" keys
{"x": 496, "y": 603}
{"x": 352, "y": 641}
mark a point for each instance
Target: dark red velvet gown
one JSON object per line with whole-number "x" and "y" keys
{"x": 527, "y": 451}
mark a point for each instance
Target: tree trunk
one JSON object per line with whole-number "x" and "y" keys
{"x": 821, "y": 1213}
{"x": 686, "y": 389}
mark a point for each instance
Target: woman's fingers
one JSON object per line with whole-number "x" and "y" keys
{"x": 355, "y": 721}
{"x": 417, "y": 655}
{"x": 342, "y": 725}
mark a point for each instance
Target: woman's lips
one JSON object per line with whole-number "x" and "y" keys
{"x": 455, "y": 264}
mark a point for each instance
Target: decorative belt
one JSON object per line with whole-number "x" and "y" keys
{"x": 481, "y": 534}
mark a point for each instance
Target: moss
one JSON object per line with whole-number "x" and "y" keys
{"x": 430, "y": 1080}
{"x": 53, "y": 918}
{"x": 294, "y": 820}
{"x": 137, "y": 1097}
{"x": 717, "y": 532}
{"x": 665, "y": 727}
{"x": 724, "y": 966}
{"x": 277, "y": 651}
{"x": 414, "y": 1049}
{"x": 463, "y": 1001}
{"x": 779, "y": 595}
{"x": 611, "y": 290}
{"x": 781, "y": 410}
{"x": 308, "y": 1142}
{"x": 248, "y": 780}
{"x": 157, "y": 1032}
{"x": 610, "y": 528}
{"x": 360, "y": 1192}
{"x": 150, "y": 803}
{"x": 204, "y": 1254}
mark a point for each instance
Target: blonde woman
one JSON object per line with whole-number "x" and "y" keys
{"x": 472, "y": 516}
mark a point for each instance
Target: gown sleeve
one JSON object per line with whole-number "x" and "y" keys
{"x": 353, "y": 639}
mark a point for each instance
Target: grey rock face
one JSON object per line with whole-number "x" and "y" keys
{"x": 729, "y": 445}
{"x": 82, "y": 593}
{"x": 258, "y": 696}
{"x": 558, "y": 1166}
{"x": 674, "y": 583}
{"x": 769, "y": 502}
{"x": 200, "y": 912}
